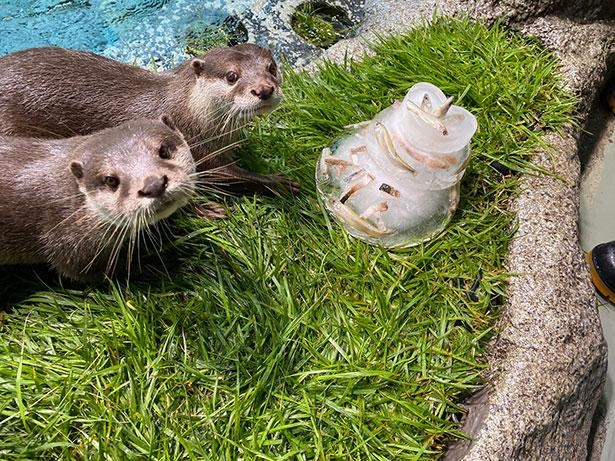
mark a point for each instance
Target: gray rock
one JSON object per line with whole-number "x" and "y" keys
{"x": 519, "y": 11}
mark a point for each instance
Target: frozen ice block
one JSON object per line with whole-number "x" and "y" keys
{"x": 394, "y": 180}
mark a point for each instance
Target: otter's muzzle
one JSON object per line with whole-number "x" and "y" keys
{"x": 262, "y": 91}
{"x": 154, "y": 186}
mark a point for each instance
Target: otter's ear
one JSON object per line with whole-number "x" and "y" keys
{"x": 198, "y": 66}
{"x": 76, "y": 169}
{"x": 168, "y": 121}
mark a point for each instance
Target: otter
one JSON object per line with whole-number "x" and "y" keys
{"x": 72, "y": 203}
{"x": 56, "y": 93}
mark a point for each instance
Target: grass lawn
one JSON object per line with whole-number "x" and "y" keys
{"x": 272, "y": 334}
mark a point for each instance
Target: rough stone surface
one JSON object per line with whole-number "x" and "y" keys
{"x": 547, "y": 364}
{"x": 584, "y": 50}
{"x": 519, "y": 11}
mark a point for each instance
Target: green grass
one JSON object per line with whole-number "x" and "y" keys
{"x": 275, "y": 335}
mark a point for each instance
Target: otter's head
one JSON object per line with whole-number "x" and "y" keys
{"x": 243, "y": 80}
{"x": 135, "y": 174}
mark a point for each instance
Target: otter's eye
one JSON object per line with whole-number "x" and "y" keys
{"x": 111, "y": 181}
{"x": 165, "y": 151}
{"x": 231, "y": 77}
{"x": 273, "y": 69}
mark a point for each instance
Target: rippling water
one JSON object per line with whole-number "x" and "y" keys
{"x": 129, "y": 30}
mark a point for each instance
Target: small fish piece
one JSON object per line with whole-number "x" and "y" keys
{"x": 430, "y": 161}
{"x": 443, "y": 109}
{"x": 389, "y": 190}
{"x": 357, "y": 150}
{"x": 375, "y": 208}
{"x": 354, "y": 126}
{"x": 339, "y": 163}
{"x": 356, "y": 221}
{"x": 359, "y": 174}
{"x": 426, "y": 103}
{"x": 326, "y": 160}
{"x": 363, "y": 180}
{"x": 386, "y": 144}
{"x": 453, "y": 200}
{"x": 427, "y": 117}
{"x": 326, "y": 152}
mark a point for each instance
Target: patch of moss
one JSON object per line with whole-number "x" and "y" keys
{"x": 201, "y": 37}
{"x": 320, "y": 24}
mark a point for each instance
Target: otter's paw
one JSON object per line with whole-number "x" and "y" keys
{"x": 210, "y": 210}
{"x": 281, "y": 183}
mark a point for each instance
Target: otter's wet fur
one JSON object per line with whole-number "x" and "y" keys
{"x": 57, "y": 93}
{"x": 73, "y": 203}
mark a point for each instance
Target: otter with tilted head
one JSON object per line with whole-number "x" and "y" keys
{"x": 73, "y": 203}
{"x": 57, "y": 93}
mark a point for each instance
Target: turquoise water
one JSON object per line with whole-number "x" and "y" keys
{"x": 139, "y": 32}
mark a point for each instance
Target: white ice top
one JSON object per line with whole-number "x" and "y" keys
{"x": 430, "y": 126}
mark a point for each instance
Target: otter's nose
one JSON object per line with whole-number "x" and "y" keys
{"x": 263, "y": 91}
{"x": 153, "y": 186}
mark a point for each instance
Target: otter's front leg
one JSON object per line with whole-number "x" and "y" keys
{"x": 231, "y": 178}
{"x": 244, "y": 181}
{"x": 219, "y": 169}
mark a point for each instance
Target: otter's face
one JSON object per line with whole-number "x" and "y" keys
{"x": 243, "y": 80}
{"x": 137, "y": 173}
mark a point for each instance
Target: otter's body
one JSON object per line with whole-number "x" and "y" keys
{"x": 57, "y": 93}
{"x": 72, "y": 203}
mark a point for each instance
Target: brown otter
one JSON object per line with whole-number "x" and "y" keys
{"x": 72, "y": 203}
{"x": 57, "y": 93}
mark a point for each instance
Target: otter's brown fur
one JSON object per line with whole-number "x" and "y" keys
{"x": 57, "y": 93}
{"x": 71, "y": 203}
